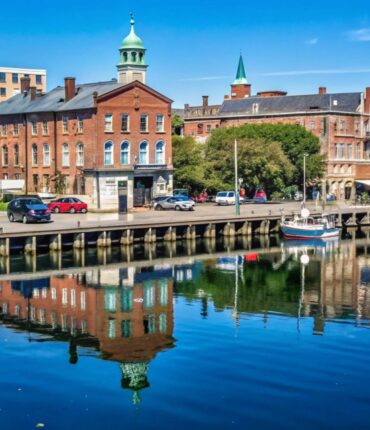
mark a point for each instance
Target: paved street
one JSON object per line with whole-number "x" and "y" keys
{"x": 208, "y": 211}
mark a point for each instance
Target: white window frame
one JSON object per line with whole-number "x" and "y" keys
{"x": 146, "y": 117}
{"x": 108, "y": 123}
{"x": 80, "y": 154}
{"x": 159, "y": 125}
{"x": 127, "y": 129}
{"x": 80, "y": 124}
{"x": 65, "y": 155}
{"x": 65, "y": 124}
{"x": 146, "y": 161}
{"x": 34, "y": 128}
{"x": 111, "y": 152}
{"x": 163, "y": 152}
{"x": 46, "y": 154}
{"x": 45, "y": 128}
{"x": 127, "y": 152}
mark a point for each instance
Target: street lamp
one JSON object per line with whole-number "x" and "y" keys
{"x": 304, "y": 179}
{"x": 237, "y": 203}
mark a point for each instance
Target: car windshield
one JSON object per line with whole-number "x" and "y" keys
{"x": 221, "y": 194}
{"x": 180, "y": 198}
{"x": 32, "y": 202}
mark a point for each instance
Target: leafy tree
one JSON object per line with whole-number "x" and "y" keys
{"x": 177, "y": 124}
{"x": 59, "y": 182}
{"x": 260, "y": 162}
{"x": 189, "y": 163}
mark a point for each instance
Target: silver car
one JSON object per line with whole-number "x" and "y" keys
{"x": 177, "y": 203}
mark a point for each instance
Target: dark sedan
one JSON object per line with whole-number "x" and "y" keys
{"x": 27, "y": 209}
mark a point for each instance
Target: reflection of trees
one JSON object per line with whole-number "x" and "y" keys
{"x": 261, "y": 287}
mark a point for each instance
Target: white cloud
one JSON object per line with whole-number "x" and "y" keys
{"x": 313, "y": 41}
{"x": 361, "y": 35}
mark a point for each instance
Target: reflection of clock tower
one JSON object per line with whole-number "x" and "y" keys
{"x": 132, "y": 66}
{"x": 134, "y": 377}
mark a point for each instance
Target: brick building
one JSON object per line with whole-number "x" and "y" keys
{"x": 10, "y": 81}
{"x": 341, "y": 121}
{"x": 95, "y": 136}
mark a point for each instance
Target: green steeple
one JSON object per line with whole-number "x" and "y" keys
{"x": 241, "y": 77}
{"x": 132, "y": 41}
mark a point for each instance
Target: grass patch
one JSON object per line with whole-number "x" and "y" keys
{"x": 3, "y": 206}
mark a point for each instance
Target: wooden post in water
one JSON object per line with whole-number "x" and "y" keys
{"x": 30, "y": 245}
{"x": 4, "y": 247}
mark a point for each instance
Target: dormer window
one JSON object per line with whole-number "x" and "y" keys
{"x": 335, "y": 102}
{"x": 255, "y": 107}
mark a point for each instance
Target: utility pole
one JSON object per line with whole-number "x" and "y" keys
{"x": 237, "y": 204}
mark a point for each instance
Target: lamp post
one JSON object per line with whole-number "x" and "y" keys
{"x": 304, "y": 179}
{"x": 237, "y": 203}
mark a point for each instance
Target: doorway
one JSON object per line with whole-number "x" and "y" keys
{"x": 143, "y": 187}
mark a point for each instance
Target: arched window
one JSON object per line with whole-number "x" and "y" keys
{"x": 141, "y": 56}
{"x": 46, "y": 154}
{"x": 108, "y": 153}
{"x": 144, "y": 153}
{"x": 65, "y": 155}
{"x": 125, "y": 57}
{"x": 133, "y": 56}
{"x": 35, "y": 155}
{"x": 159, "y": 152}
{"x": 125, "y": 153}
{"x": 5, "y": 155}
{"x": 80, "y": 157}
{"x": 16, "y": 155}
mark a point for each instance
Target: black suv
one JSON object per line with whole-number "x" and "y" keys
{"x": 27, "y": 209}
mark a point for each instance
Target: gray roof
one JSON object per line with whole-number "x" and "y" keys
{"x": 53, "y": 101}
{"x": 341, "y": 102}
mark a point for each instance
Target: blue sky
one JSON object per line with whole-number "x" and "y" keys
{"x": 193, "y": 46}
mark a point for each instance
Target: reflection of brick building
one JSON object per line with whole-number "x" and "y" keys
{"x": 131, "y": 319}
{"x": 341, "y": 121}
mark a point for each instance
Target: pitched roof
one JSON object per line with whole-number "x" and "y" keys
{"x": 53, "y": 101}
{"x": 341, "y": 102}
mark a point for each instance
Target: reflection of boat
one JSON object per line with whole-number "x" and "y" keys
{"x": 304, "y": 227}
{"x": 330, "y": 242}
{"x": 229, "y": 264}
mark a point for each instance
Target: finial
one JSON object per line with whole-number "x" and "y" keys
{"x": 132, "y": 22}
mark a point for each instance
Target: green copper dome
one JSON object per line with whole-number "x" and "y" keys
{"x": 132, "y": 41}
{"x": 241, "y": 77}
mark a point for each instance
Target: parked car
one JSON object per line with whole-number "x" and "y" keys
{"x": 298, "y": 195}
{"x": 177, "y": 203}
{"x": 259, "y": 196}
{"x": 227, "y": 198}
{"x": 180, "y": 192}
{"x": 67, "y": 204}
{"x": 27, "y": 209}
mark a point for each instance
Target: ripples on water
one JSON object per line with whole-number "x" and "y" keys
{"x": 245, "y": 339}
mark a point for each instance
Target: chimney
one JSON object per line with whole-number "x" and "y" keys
{"x": 25, "y": 84}
{"x": 367, "y": 100}
{"x": 205, "y": 101}
{"x": 33, "y": 93}
{"x": 322, "y": 90}
{"x": 70, "y": 88}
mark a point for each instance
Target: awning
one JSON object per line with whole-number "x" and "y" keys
{"x": 363, "y": 181}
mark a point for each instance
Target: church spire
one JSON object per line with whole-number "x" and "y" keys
{"x": 241, "y": 77}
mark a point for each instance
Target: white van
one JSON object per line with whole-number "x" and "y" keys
{"x": 225, "y": 198}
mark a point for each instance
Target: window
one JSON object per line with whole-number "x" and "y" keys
{"x": 143, "y": 123}
{"x": 34, "y": 155}
{"x": 38, "y": 79}
{"x": 108, "y": 153}
{"x": 125, "y": 125}
{"x": 358, "y": 152}
{"x": 53, "y": 294}
{"x": 339, "y": 151}
{"x": 149, "y": 324}
{"x": 17, "y": 176}
{"x": 144, "y": 153}
{"x": 65, "y": 155}
{"x": 148, "y": 295}
{"x": 126, "y": 328}
{"x": 83, "y": 300}
{"x": 16, "y": 155}
{"x": 349, "y": 152}
{"x": 367, "y": 150}
{"x": 73, "y": 297}
{"x": 45, "y": 128}
{"x": 125, "y": 153}
{"x": 65, "y": 124}
{"x": 35, "y": 180}
{"x": 5, "y": 155}
{"x": 126, "y": 299}
{"x": 34, "y": 128}
{"x": 342, "y": 125}
{"x": 255, "y": 107}
{"x": 159, "y": 153}
{"x": 3, "y": 92}
{"x": 108, "y": 125}
{"x": 80, "y": 124}
{"x": 64, "y": 296}
{"x": 110, "y": 299}
{"x": 163, "y": 323}
{"x": 15, "y": 129}
{"x": 15, "y": 78}
{"x": 312, "y": 124}
{"x": 209, "y": 128}
{"x": 2, "y": 77}
{"x": 46, "y": 154}
{"x": 159, "y": 124}
{"x": 80, "y": 154}
{"x": 163, "y": 293}
{"x": 4, "y": 130}
{"x": 111, "y": 328}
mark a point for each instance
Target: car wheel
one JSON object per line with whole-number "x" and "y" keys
{"x": 72, "y": 211}
{"x": 11, "y": 217}
{"x": 177, "y": 208}
{"x": 56, "y": 210}
{"x": 192, "y": 208}
{"x": 158, "y": 208}
{"x": 84, "y": 210}
{"x": 24, "y": 219}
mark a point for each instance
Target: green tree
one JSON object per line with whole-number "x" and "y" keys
{"x": 177, "y": 124}
{"x": 295, "y": 141}
{"x": 260, "y": 162}
{"x": 188, "y": 161}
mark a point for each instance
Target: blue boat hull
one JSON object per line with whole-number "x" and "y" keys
{"x": 302, "y": 233}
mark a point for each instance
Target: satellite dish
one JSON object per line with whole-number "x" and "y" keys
{"x": 305, "y": 213}
{"x": 305, "y": 259}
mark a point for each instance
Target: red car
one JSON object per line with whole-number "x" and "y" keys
{"x": 67, "y": 204}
